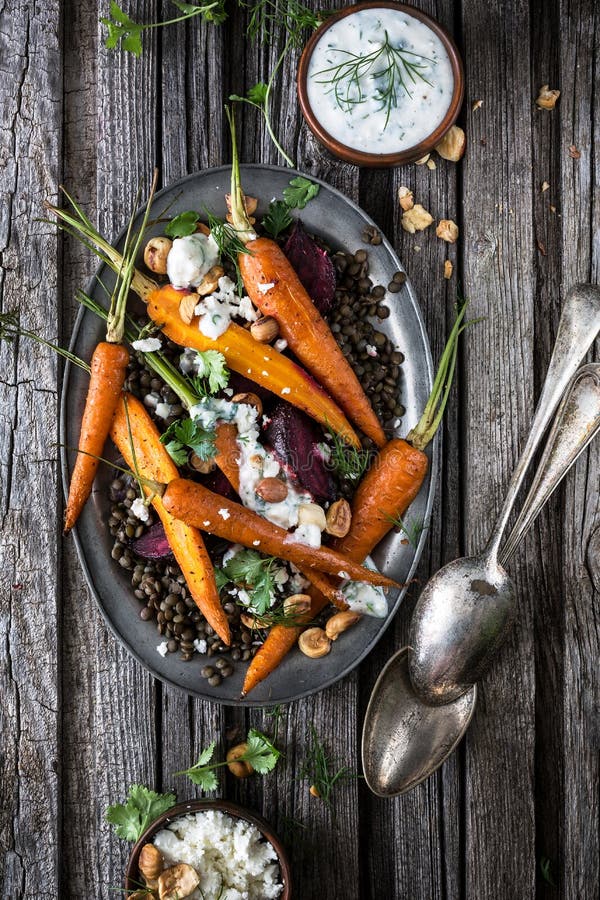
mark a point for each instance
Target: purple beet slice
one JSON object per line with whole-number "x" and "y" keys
{"x": 153, "y": 544}
{"x": 295, "y": 440}
{"x": 313, "y": 267}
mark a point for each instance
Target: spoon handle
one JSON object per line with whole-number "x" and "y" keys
{"x": 579, "y": 324}
{"x": 576, "y": 424}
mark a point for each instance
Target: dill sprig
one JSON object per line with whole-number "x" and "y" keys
{"x": 394, "y": 70}
{"x": 347, "y": 461}
{"x": 412, "y": 528}
{"x": 322, "y": 771}
{"x": 229, "y": 244}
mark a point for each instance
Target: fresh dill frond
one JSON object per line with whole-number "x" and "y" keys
{"x": 412, "y": 528}
{"x": 322, "y": 771}
{"x": 347, "y": 461}
{"x": 229, "y": 244}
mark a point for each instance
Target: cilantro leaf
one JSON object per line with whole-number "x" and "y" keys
{"x": 257, "y": 95}
{"x": 122, "y": 28}
{"x": 261, "y": 753}
{"x": 201, "y": 773}
{"x": 212, "y": 366}
{"x": 221, "y": 578}
{"x": 211, "y": 11}
{"x": 177, "y": 452}
{"x": 299, "y": 192}
{"x": 188, "y": 433}
{"x": 277, "y": 219}
{"x": 249, "y": 568}
{"x": 140, "y": 809}
{"x": 182, "y": 225}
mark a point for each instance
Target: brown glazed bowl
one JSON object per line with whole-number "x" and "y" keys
{"x": 132, "y": 875}
{"x": 381, "y": 160}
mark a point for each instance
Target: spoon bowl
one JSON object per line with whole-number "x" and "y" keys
{"x": 405, "y": 740}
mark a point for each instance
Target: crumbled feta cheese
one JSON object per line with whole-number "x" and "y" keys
{"x": 206, "y": 523}
{"x": 162, "y": 649}
{"x": 286, "y": 390}
{"x": 200, "y": 645}
{"x": 228, "y": 391}
{"x": 225, "y": 514}
{"x": 371, "y": 350}
{"x": 397, "y": 423}
{"x": 163, "y": 410}
{"x": 264, "y": 288}
{"x": 216, "y": 310}
{"x": 305, "y": 534}
{"x": 190, "y": 258}
{"x": 281, "y": 344}
{"x": 256, "y": 543}
{"x": 342, "y": 574}
{"x": 147, "y": 345}
{"x": 265, "y": 372}
{"x": 140, "y": 510}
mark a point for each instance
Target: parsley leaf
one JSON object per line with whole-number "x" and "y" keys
{"x": 249, "y": 568}
{"x": 277, "y": 219}
{"x": 211, "y": 369}
{"x": 122, "y": 29}
{"x": 140, "y": 809}
{"x": 299, "y": 192}
{"x": 186, "y": 433}
{"x": 260, "y": 753}
{"x": 182, "y": 225}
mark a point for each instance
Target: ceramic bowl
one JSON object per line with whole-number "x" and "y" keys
{"x": 132, "y": 875}
{"x": 382, "y": 160}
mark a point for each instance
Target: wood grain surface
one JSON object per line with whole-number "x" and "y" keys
{"x": 79, "y": 719}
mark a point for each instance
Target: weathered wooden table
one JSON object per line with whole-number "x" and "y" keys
{"x": 79, "y": 719}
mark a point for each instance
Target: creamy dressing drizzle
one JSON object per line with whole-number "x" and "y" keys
{"x": 362, "y": 126}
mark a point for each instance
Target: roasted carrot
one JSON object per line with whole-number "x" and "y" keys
{"x": 274, "y": 287}
{"x": 383, "y": 496}
{"x": 132, "y": 426}
{"x": 259, "y": 362}
{"x": 109, "y": 363}
{"x": 196, "y": 505}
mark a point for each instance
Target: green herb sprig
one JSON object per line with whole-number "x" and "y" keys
{"x": 185, "y": 435}
{"x": 140, "y": 809}
{"x": 229, "y": 244}
{"x": 251, "y": 569}
{"x": 322, "y": 771}
{"x": 413, "y": 528}
{"x": 347, "y": 461}
{"x": 125, "y": 32}
{"x": 183, "y": 224}
{"x": 394, "y": 71}
{"x": 260, "y": 753}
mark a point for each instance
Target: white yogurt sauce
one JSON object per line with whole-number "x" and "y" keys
{"x": 190, "y": 258}
{"x": 413, "y": 116}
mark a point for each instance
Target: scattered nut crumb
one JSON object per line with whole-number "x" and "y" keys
{"x": 447, "y": 230}
{"x": 417, "y": 248}
{"x": 187, "y": 307}
{"x": 448, "y": 269}
{"x": 552, "y": 209}
{"x": 452, "y": 145}
{"x": 423, "y": 160}
{"x": 574, "y": 153}
{"x": 416, "y": 219}
{"x": 430, "y": 164}
{"x": 477, "y": 104}
{"x": 541, "y": 247}
{"x": 545, "y": 186}
{"x": 546, "y": 98}
{"x": 405, "y": 198}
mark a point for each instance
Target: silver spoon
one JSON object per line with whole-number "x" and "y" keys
{"x": 465, "y": 610}
{"x": 405, "y": 740}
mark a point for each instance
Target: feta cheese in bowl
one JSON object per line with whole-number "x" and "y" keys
{"x": 234, "y": 852}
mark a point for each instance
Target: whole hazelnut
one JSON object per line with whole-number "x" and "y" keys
{"x": 155, "y": 254}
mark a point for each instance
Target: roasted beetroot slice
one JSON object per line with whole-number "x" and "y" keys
{"x": 239, "y": 384}
{"x": 295, "y": 440}
{"x": 218, "y": 483}
{"x": 313, "y": 267}
{"x": 153, "y": 544}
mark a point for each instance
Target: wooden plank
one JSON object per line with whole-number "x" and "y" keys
{"x": 109, "y": 742}
{"x": 578, "y": 868}
{"x": 499, "y": 364}
{"x": 30, "y": 121}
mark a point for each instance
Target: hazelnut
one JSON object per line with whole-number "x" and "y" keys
{"x": 452, "y": 145}
{"x": 250, "y": 205}
{"x": 447, "y": 230}
{"x": 251, "y": 622}
{"x": 312, "y": 514}
{"x": 545, "y": 187}
{"x": 574, "y": 153}
{"x": 204, "y": 466}
{"x": 265, "y": 329}
{"x": 431, "y": 164}
{"x": 210, "y": 282}
{"x": 238, "y": 767}
{"x": 201, "y": 228}
{"x": 187, "y": 308}
{"x": 250, "y": 399}
{"x": 155, "y": 254}
{"x": 338, "y": 518}
{"x": 314, "y": 791}
{"x": 178, "y": 882}
{"x": 416, "y": 219}
{"x": 422, "y": 160}
{"x": 272, "y": 490}
{"x": 151, "y": 863}
{"x": 477, "y": 104}
{"x": 448, "y": 269}
{"x": 340, "y": 622}
{"x": 314, "y": 643}
{"x": 546, "y": 98}
{"x": 405, "y": 197}
{"x": 297, "y": 604}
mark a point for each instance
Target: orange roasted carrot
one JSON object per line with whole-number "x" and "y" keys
{"x": 385, "y": 493}
{"x": 253, "y": 359}
{"x": 154, "y": 463}
{"x": 108, "y": 367}
{"x": 196, "y": 505}
{"x": 274, "y": 287}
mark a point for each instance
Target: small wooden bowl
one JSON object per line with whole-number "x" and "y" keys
{"x": 132, "y": 875}
{"x": 381, "y": 160}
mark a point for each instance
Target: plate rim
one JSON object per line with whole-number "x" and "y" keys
{"x": 434, "y": 458}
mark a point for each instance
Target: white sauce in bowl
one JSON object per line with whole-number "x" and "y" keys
{"x": 357, "y": 113}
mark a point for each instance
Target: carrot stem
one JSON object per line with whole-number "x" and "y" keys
{"x": 10, "y": 329}
{"x": 241, "y": 223}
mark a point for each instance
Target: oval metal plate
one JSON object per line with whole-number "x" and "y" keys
{"x": 340, "y": 223}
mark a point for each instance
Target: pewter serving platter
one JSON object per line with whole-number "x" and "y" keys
{"x": 340, "y": 223}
